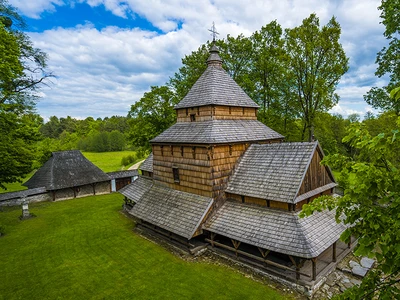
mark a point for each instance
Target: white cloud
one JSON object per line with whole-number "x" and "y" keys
{"x": 102, "y": 72}
{"x": 34, "y": 8}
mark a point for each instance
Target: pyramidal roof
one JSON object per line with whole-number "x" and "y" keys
{"x": 216, "y": 87}
{"x": 66, "y": 169}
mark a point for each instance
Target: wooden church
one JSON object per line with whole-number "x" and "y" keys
{"x": 220, "y": 176}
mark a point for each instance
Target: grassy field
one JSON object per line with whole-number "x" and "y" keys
{"x": 107, "y": 161}
{"x": 86, "y": 249}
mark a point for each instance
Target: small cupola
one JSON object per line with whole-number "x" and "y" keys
{"x": 214, "y": 59}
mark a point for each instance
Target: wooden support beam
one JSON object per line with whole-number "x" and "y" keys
{"x": 268, "y": 262}
{"x": 296, "y": 265}
{"x": 263, "y": 252}
{"x": 334, "y": 252}
{"x": 212, "y": 238}
{"x": 236, "y": 244}
{"x": 314, "y": 268}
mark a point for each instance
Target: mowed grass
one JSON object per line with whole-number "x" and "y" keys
{"x": 108, "y": 161}
{"x": 86, "y": 249}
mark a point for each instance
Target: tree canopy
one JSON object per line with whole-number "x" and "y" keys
{"x": 316, "y": 62}
{"x": 22, "y": 71}
{"x": 388, "y": 59}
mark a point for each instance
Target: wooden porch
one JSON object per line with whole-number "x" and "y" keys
{"x": 303, "y": 271}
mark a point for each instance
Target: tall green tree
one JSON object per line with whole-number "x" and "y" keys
{"x": 370, "y": 206}
{"x": 151, "y": 115}
{"x": 273, "y": 88}
{"x": 22, "y": 71}
{"x": 388, "y": 59}
{"x": 317, "y": 61}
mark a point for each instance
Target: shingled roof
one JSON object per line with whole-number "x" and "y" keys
{"x": 22, "y": 194}
{"x": 66, "y": 169}
{"x": 279, "y": 231}
{"x": 136, "y": 189}
{"x": 172, "y": 210}
{"x": 122, "y": 174}
{"x": 216, "y": 87}
{"x": 217, "y": 131}
{"x": 273, "y": 171}
{"x": 147, "y": 165}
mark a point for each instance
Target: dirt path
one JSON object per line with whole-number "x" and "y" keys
{"x": 135, "y": 166}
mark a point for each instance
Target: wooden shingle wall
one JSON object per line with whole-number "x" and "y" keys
{"x": 203, "y": 170}
{"x": 193, "y": 164}
{"x": 217, "y": 112}
{"x": 223, "y": 162}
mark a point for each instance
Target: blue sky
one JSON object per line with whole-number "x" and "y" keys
{"x": 107, "y": 53}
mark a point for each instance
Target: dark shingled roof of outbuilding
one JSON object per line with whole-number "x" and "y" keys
{"x": 217, "y": 131}
{"x": 275, "y": 230}
{"x": 147, "y": 165}
{"x": 175, "y": 211}
{"x": 66, "y": 169}
{"x": 216, "y": 87}
{"x": 273, "y": 171}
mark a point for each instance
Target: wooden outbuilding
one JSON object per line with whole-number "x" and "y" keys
{"x": 68, "y": 174}
{"x": 221, "y": 175}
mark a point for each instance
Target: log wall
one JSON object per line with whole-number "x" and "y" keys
{"x": 218, "y": 112}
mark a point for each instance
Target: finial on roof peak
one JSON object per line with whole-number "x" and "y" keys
{"x": 213, "y": 31}
{"x": 214, "y": 59}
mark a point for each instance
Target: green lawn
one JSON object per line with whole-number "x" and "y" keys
{"x": 108, "y": 161}
{"x": 86, "y": 249}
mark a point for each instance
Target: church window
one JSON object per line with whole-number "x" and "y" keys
{"x": 192, "y": 118}
{"x": 194, "y": 152}
{"x": 175, "y": 171}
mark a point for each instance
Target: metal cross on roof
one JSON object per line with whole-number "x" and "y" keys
{"x": 213, "y": 31}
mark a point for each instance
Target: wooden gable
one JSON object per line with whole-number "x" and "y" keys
{"x": 316, "y": 175}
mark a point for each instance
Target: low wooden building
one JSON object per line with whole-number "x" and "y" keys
{"x": 119, "y": 179}
{"x": 220, "y": 174}
{"x": 68, "y": 174}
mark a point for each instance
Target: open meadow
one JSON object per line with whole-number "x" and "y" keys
{"x": 85, "y": 249}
